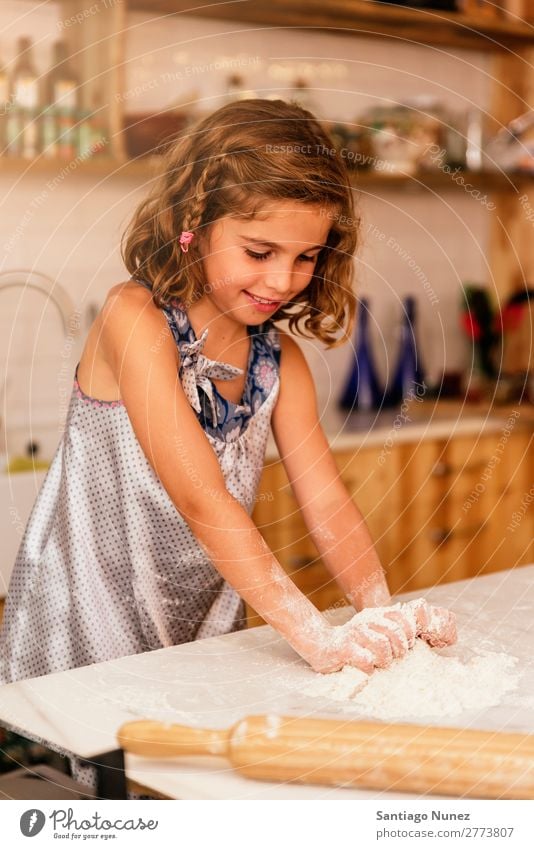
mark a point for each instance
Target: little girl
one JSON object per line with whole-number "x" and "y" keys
{"x": 141, "y": 535}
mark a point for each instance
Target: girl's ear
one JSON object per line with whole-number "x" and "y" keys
{"x": 202, "y": 240}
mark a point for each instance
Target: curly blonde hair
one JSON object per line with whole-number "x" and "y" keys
{"x": 228, "y": 164}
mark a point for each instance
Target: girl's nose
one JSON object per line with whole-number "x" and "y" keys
{"x": 279, "y": 282}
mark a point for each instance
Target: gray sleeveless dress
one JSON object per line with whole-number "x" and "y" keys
{"x": 107, "y": 566}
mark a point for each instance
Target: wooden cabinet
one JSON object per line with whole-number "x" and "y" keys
{"x": 438, "y": 510}
{"x": 458, "y": 499}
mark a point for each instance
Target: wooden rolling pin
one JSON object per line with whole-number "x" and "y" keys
{"x": 403, "y": 758}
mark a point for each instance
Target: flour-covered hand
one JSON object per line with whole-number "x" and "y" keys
{"x": 371, "y": 639}
{"x": 435, "y": 625}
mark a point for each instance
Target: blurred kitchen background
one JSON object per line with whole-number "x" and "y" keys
{"x": 432, "y": 108}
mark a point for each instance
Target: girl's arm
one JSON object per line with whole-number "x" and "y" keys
{"x": 333, "y": 520}
{"x": 143, "y": 356}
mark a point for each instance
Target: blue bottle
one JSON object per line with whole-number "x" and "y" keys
{"x": 362, "y": 389}
{"x": 408, "y": 379}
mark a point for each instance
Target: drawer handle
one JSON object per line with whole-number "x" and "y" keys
{"x": 441, "y": 535}
{"x": 441, "y": 470}
{"x": 300, "y": 561}
{"x": 351, "y": 483}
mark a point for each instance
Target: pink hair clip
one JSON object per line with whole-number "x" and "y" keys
{"x": 185, "y": 239}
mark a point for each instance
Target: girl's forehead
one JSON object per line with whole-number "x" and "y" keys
{"x": 290, "y": 216}
{"x": 282, "y": 208}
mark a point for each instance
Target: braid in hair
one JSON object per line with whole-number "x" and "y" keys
{"x": 193, "y": 218}
{"x": 207, "y": 183}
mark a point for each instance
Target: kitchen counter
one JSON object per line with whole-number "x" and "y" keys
{"x": 215, "y": 682}
{"x": 416, "y": 421}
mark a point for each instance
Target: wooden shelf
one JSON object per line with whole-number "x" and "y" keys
{"x": 360, "y": 18}
{"x": 96, "y": 166}
{"x": 484, "y": 181}
{"x": 487, "y": 181}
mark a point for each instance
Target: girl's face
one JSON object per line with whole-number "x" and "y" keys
{"x": 252, "y": 267}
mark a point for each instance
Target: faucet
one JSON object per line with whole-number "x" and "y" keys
{"x": 26, "y": 278}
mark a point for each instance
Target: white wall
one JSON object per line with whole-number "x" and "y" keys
{"x": 71, "y": 230}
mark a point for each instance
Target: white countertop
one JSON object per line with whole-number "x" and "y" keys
{"x": 216, "y": 682}
{"x": 367, "y": 430}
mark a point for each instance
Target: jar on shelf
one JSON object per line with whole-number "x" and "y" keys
{"x": 429, "y": 131}
{"x": 403, "y": 135}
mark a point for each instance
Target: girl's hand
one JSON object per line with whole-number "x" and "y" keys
{"x": 377, "y": 636}
{"x": 435, "y": 625}
{"x": 372, "y": 638}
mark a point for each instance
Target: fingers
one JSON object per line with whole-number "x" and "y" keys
{"x": 451, "y": 631}
{"x": 419, "y": 609}
{"x": 441, "y": 629}
{"x": 435, "y": 625}
{"x": 363, "y": 660}
{"x": 396, "y": 626}
{"x": 406, "y": 630}
{"x": 365, "y": 646}
{"x": 374, "y": 638}
{"x": 355, "y": 654}
{"x": 394, "y": 635}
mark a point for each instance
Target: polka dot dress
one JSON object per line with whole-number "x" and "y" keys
{"x": 107, "y": 566}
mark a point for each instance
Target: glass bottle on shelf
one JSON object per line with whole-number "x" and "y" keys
{"x": 408, "y": 374}
{"x": 24, "y": 96}
{"x": 61, "y": 84}
{"x": 61, "y": 95}
{"x": 4, "y": 105}
{"x": 474, "y": 139}
{"x": 14, "y": 124}
{"x": 362, "y": 389}
{"x": 84, "y": 139}
{"x": 49, "y": 132}
{"x": 30, "y": 133}
{"x": 66, "y": 135}
{"x": 97, "y": 122}
{"x": 25, "y": 79}
{"x": 455, "y": 141}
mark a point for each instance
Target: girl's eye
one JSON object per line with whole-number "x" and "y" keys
{"x": 260, "y": 257}
{"x": 257, "y": 256}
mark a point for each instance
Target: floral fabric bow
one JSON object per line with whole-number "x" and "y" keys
{"x": 197, "y": 370}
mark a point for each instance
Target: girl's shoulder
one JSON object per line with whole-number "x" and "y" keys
{"x": 291, "y": 354}
{"x": 129, "y": 311}
{"x": 127, "y": 302}
{"x": 130, "y": 287}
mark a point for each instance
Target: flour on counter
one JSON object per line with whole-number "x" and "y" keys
{"x": 421, "y": 684}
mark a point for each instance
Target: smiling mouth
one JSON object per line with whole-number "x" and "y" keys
{"x": 262, "y": 300}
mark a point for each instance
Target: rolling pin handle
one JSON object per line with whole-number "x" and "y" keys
{"x": 157, "y": 740}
